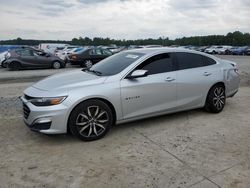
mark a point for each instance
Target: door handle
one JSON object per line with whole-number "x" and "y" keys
{"x": 207, "y": 73}
{"x": 169, "y": 79}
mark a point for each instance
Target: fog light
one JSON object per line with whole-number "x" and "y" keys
{"x": 43, "y": 120}
{"x": 41, "y": 124}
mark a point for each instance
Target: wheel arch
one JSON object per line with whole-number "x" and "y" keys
{"x": 110, "y": 105}
{"x": 217, "y": 83}
{"x": 14, "y": 61}
{"x": 56, "y": 60}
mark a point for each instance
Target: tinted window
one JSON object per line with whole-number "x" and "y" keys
{"x": 106, "y": 52}
{"x": 116, "y": 63}
{"x": 157, "y": 64}
{"x": 208, "y": 61}
{"x": 96, "y": 51}
{"x": 24, "y": 52}
{"x": 189, "y": 60}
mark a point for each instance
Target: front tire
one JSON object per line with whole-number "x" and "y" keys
{"x": 90, "y": 120}
{"x": 216, "y": 99}
{"x": 56, "y": 65}
{"x": 87, "y": 63}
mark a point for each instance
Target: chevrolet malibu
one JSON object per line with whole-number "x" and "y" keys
{"x": 128, "y": 86}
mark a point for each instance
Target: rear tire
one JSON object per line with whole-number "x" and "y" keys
{"x": 90, "y": 120}
{"x": 56, "y": 65}
{"x": 216, "y": 99}
{"x": 14, "y": 65}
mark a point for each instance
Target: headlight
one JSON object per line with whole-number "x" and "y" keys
{"x": 47, "y": 101}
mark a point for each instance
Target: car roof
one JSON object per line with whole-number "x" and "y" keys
{"x": 149, "y": 51}
{"x": 154, "y": 51}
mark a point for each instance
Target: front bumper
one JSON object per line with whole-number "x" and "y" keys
{"x": 45, "y": 119}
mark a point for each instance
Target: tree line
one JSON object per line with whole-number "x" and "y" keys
{"x": 236, "y": 38}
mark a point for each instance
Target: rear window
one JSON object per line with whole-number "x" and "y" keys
{"x": 191, "y": 60}
{"x": 208, "y": 61}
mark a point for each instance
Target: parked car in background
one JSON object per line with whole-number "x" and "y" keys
{"x": 3, "y": 57}
{"x": 218, "y": 50}
{"x": 129, "y": 86}
{"x": 62, "y": 54}
{"x": 50, "y": 47}
{"x": 88, "y": 56}
{"x": 247, "y": 51}
{"x": 130, "y": 47}
{"x": 153, "y": 46}
{"x": 23, "y": 58}
{"x": 202, "y": 48}
{"x": 59, "y": 49}
{"x": 224, "y": 50}
{"x": 212, "y": 50}
{"x": 190, "y": 47}
{"x": 4, "y": 63}
{"x": 242, "y": 50}
{"x": 113, "y": 49}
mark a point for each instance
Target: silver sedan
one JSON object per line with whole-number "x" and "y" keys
{"x": 128, "y": 86}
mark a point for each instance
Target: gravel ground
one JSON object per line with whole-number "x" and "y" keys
{"x": 7, "y": 76}
{"x": 188, "y": 149}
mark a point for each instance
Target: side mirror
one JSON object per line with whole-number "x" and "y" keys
{"x": 138, "y": 74}
{"x": 47, "y": 55}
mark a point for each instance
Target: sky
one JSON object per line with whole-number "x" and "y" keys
{"x": 121, "y": 19}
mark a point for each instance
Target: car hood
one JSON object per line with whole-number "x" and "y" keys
{"x": 68, "y": 80}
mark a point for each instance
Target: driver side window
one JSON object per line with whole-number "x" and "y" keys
{"x": 157, "y": 64}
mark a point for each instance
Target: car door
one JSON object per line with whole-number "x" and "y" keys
{"x": 151, "y": 94}
{"x": 196, "y": 74}
{"x": 43, "y": 60}
{"x": 27, "y": 58}
{"x": 96, "y": 55}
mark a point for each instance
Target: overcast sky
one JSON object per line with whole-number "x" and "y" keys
{"x": 121, "y": 19}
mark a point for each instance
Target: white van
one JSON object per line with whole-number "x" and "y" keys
{"x": 51, "y": 47}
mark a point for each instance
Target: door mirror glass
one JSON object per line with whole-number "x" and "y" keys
{"x": 138, "y": 74}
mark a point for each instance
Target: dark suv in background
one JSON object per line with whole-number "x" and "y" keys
{"x": 23, "y": 58}
{"x": 88, "y": 56}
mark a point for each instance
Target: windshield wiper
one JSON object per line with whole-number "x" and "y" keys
{"x": 98, "y": 73}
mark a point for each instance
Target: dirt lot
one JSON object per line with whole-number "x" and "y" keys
{"x": 188, "y": 149}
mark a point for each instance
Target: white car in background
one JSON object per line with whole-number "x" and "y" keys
{"x": 50, "y": 47}
{"x": 222, "y": 50}
{"x": 218, "y": 49}
{"x": 3, "y": 57}
{"x": 212, "y": 50}
{"x": 62, "y": 54}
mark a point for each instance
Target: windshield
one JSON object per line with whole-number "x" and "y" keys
{"x": 79, "y": 51}
{"x": 116, "y": 63}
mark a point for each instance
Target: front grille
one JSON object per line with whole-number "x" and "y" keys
{"x": 26, "y": 111}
